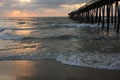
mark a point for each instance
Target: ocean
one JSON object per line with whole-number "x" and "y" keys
{"x": 59, "y": 39}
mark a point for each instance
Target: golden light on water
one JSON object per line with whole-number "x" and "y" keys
{"x": 23, "y": 68}
{"x": 23, "y": 32}
{"x": 26, "y": 48}
{"x": 7, "y": 77}
{"x": 23, "y": 65}
{"x": 25, "y": 28}
{"x": 16, "y": 70}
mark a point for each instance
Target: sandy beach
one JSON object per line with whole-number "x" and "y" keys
{"x": 51, "y": 70}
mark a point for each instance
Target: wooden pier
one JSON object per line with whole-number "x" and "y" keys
{"x": 101, "y": 12}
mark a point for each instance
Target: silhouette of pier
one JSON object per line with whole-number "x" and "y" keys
{"x": 105, "y": 12}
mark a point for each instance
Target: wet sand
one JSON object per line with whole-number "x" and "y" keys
{"x": 52, "y": 70}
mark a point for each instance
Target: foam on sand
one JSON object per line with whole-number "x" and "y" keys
{"x": 94, "y": 60}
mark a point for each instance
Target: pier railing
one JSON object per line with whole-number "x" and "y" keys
{"x": 99, "y": 11}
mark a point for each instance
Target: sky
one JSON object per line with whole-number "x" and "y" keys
{"x": 38, "y": 8}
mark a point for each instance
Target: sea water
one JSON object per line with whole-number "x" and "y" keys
{"x": 59, "y": 39}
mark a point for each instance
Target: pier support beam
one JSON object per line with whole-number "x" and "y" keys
{"x": 103, "y": 19}
{"x": 108, "y": 17}
{"x": 99, "y": 16}
{"x": 112, "y": 14}
{"x": 118, "y": 10}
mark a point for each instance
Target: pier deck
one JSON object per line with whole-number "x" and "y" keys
{"x": 99, "y": 11}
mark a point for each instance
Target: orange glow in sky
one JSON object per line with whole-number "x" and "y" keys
{"x": 20, "y": 14}
{"x": 25, "y": 1}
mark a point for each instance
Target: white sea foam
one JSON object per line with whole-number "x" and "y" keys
{"x": 97, "y": 60}
{"x": 81, "y": 25}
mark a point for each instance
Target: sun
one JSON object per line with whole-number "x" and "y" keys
{"x": 23, "y": 1}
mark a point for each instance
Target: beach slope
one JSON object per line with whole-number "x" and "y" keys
{"x": 51, "y": 70}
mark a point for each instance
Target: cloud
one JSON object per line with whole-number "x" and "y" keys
{"x": 72, "y": 6}
{"x": 38, "y": 7}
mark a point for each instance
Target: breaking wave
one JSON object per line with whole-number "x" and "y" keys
{"x": 82, "y": 25}
{"x": 76, "y": 25}
{"x": 93, "y": 60}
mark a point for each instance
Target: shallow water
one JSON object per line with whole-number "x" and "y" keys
{"x": 59, "y": 39}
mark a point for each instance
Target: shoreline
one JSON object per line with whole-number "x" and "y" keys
{"x": 51, "y": 70}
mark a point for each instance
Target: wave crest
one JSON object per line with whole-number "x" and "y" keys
{"x": 93, "y": 60}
